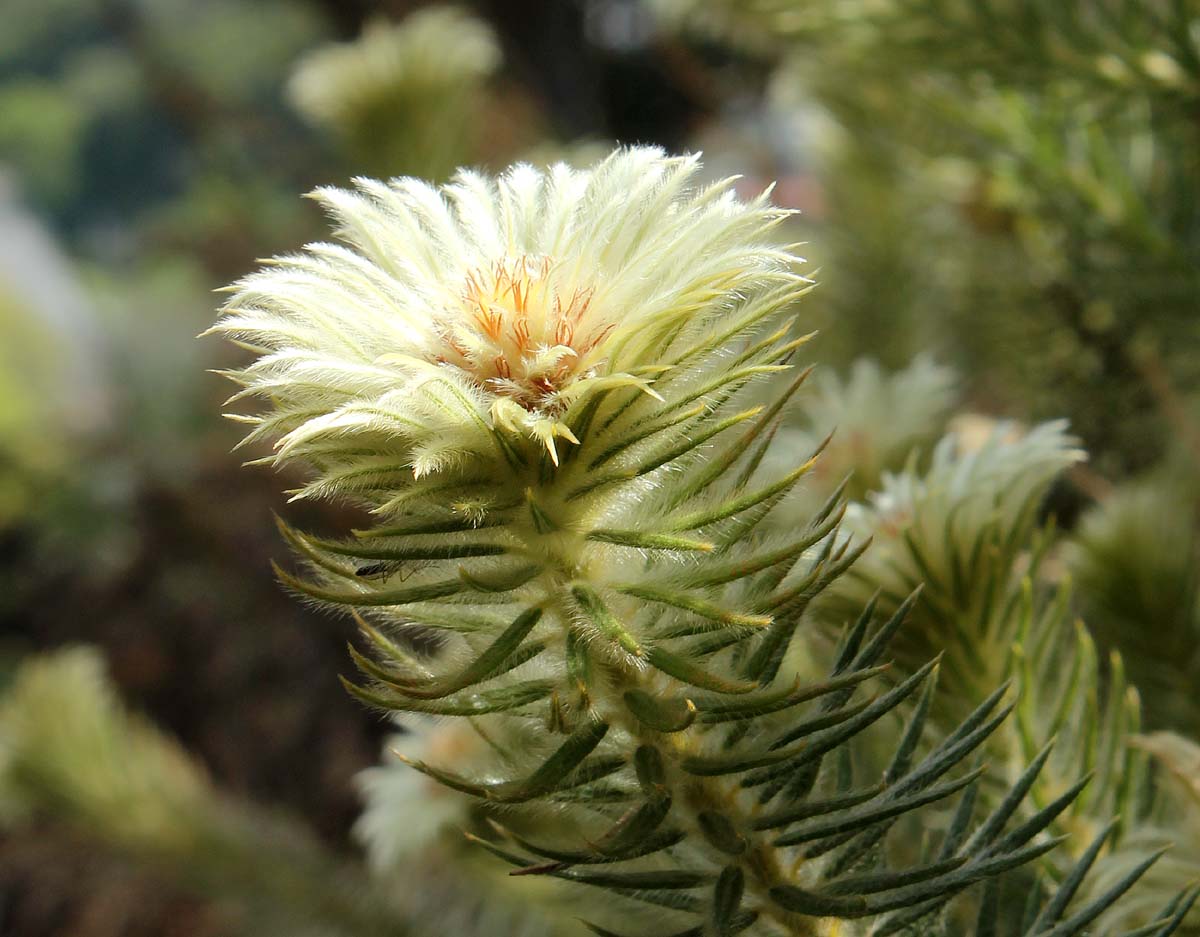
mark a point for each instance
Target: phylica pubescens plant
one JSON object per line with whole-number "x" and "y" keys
{"x": 546, "y": 389}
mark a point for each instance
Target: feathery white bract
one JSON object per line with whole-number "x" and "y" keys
{"x": 486, "y": 313}
{"x": 1000, "y": 482}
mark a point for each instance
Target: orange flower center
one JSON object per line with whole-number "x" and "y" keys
{"x": 521, "y": 337}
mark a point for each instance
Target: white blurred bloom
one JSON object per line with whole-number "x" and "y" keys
{"x": 970, "y": 481}
{"x": 427, "y": 54}
{"x": 405, "y": 811}
{"x": 406, "y": 98}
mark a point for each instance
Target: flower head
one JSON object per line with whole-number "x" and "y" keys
{"x": 483, "y": 317}
{"x": 430, "y": 53}
{"x": 404, "y": 97}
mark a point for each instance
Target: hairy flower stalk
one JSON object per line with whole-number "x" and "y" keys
{"x": 546, "y": 387}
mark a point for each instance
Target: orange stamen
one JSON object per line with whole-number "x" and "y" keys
{"x": 519, "y": 313}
